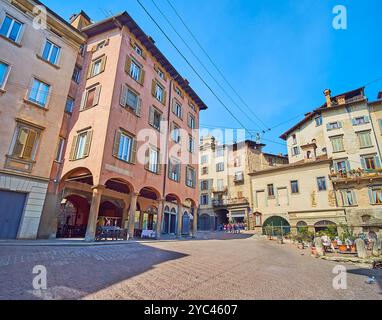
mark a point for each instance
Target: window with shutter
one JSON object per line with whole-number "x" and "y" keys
{"x": 174, "y": 170}
{"x": 365, "y": 139}
{"x": 81, "y": 145}
{"x": 190, "y": 177}
{"x": 337, "y": 143}
{"x": 25, "y": 143}
{"x": 123, "y": 146}
{"x": 155, "y": 118}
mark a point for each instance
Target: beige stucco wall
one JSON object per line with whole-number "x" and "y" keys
{"x": 309, "y": 205}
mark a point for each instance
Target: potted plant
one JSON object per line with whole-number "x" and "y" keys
{"x": 268, "y": 230}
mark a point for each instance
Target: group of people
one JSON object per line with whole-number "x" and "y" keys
{"x": 234, "y": 227}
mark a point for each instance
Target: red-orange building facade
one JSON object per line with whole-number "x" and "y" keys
{"x": 130, "y": 155}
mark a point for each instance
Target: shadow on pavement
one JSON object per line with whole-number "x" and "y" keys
{"x": 74, "y": 272}
{"x": 366, "y": 273}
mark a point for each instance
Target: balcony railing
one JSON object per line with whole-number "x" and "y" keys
{"x": 355, "y": 175}
{"x": 219, "y": 203}
{"x": 219, "y": 189}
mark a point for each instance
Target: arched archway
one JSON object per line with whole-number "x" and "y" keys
{"x": 186, "y": 223}
{"x": 301, "y": 226}
{"x": 169, "y": 221}
{"x": 221, "y": 217}
{"x": 324, "y": 225}
{"x": 276, "y": 226}
{"x": 73, "y": 217}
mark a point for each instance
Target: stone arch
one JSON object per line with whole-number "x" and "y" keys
{"x": 277, "y": 226}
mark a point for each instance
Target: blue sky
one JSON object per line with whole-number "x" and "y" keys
{"x": 279, "y": 55}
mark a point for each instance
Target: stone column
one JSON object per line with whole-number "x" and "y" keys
{"x": 133, "y": 207}
{"x": 160, "y": 218}
{"x": 93, "y": 213}
{"x": 180, "y": 217}
{"x": 195, "y": 222}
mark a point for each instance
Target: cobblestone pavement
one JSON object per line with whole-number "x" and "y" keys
{"x": 230, "y": 268}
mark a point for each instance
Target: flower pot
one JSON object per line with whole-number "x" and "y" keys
{"x": 335, "y": 244}
{"x": 301, "y": 246}
{"x": 314, "y": 251}
{"x": 343, "y": 248}
{"x": 353, "y": 248}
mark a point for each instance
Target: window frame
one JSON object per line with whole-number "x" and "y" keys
{"x": 6, "y": 75}
{"x": 20, "y": 31}
{"x": 53, "y": 45}
{"x": 270, "y": 190}
{"x": 192, "y": 171}
{"x": 293, "y": 185}
{"x": 342, "y": 143}
{"x": 35, "y": 101}
{"x": 173, "y": 162}
{"x": 319, "y": 187}
{"x": 20, "y": 126}
{"x": 60, "y": 150}
{"x": 361, "y": 133}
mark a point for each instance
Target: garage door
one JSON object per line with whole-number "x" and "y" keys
{"x": 11, "y": 210}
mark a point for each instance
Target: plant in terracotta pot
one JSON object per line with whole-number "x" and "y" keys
{"x": 268, "y": 230}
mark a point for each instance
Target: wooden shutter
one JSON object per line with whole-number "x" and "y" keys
{"x": 117, "y": 140}
{"x": 142, "y": 76}
{"x": 133, "y": 155}
{"x": 144, "y": 55}
{"x": 88, "y": 143}
{"x": 29, "y": 144}
{"x": 147, "y": 158}
{"x": 139, "y": 106}
{"x": 83, "y": 100}
{"x": 97, "y": 95}
{"x": 123, "y": 97}
{"x": 73, "y": 148}
{"x": 159, "y": 166}
{"x": 132, "y": 42}
{"x": 128, "y": 64}
{"x": 164, "y": 97}
{"x": 153, "y": 87}
{"x": 103, "y": 63}
{"x": 173, "y": 106}
{"x": 94, "y": 48}
{"x": 89, "y": 74}
{"x": 151, "y": 116}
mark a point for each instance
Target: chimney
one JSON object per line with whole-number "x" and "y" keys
{"x": 151, "y": 39}
{"x": 80, "y": 20}
{"x": 380, "y": 95}
{"x": 327, "y": 94}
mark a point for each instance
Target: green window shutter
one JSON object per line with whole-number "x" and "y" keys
{"x": 103, "y": 63}
{"x": 117, "y": 140}
{"x": 138, "y": 109}
{"x": 83, "y": 100}
{"x": 354, "y": 197}
{"x": 363, "y": 163}
{"x": 151, "y": 116}
{"x": 164, "y": 97}
{"x": 73, "y": 148}
{"x": 377, "y": 162}
{"x": 142, "y": 77}
{"x": 29, "y": 145}
{"x": 371, "y": 198}
{"x": 97, "y": 95}
{"x": 133, "y": 155}
{"x": 128, "y": 64}
{"x": 147, "y": 158}
{"x": 153, "y": 87}
{"x": 123, "y": 97}
{"x": 88, "y": 143}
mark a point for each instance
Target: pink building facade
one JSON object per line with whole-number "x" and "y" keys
{"x": 130, "y": 158}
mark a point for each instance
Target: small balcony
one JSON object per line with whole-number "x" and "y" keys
{"x": 238, "y": 177}
{"x": 237, "y": 201}
{"x": 220, "y": 190}
{"x": 219, "y": 203}
{"x": 355, "y": 175}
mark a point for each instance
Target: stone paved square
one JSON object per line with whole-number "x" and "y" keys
{"x": 237, "y": 267}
